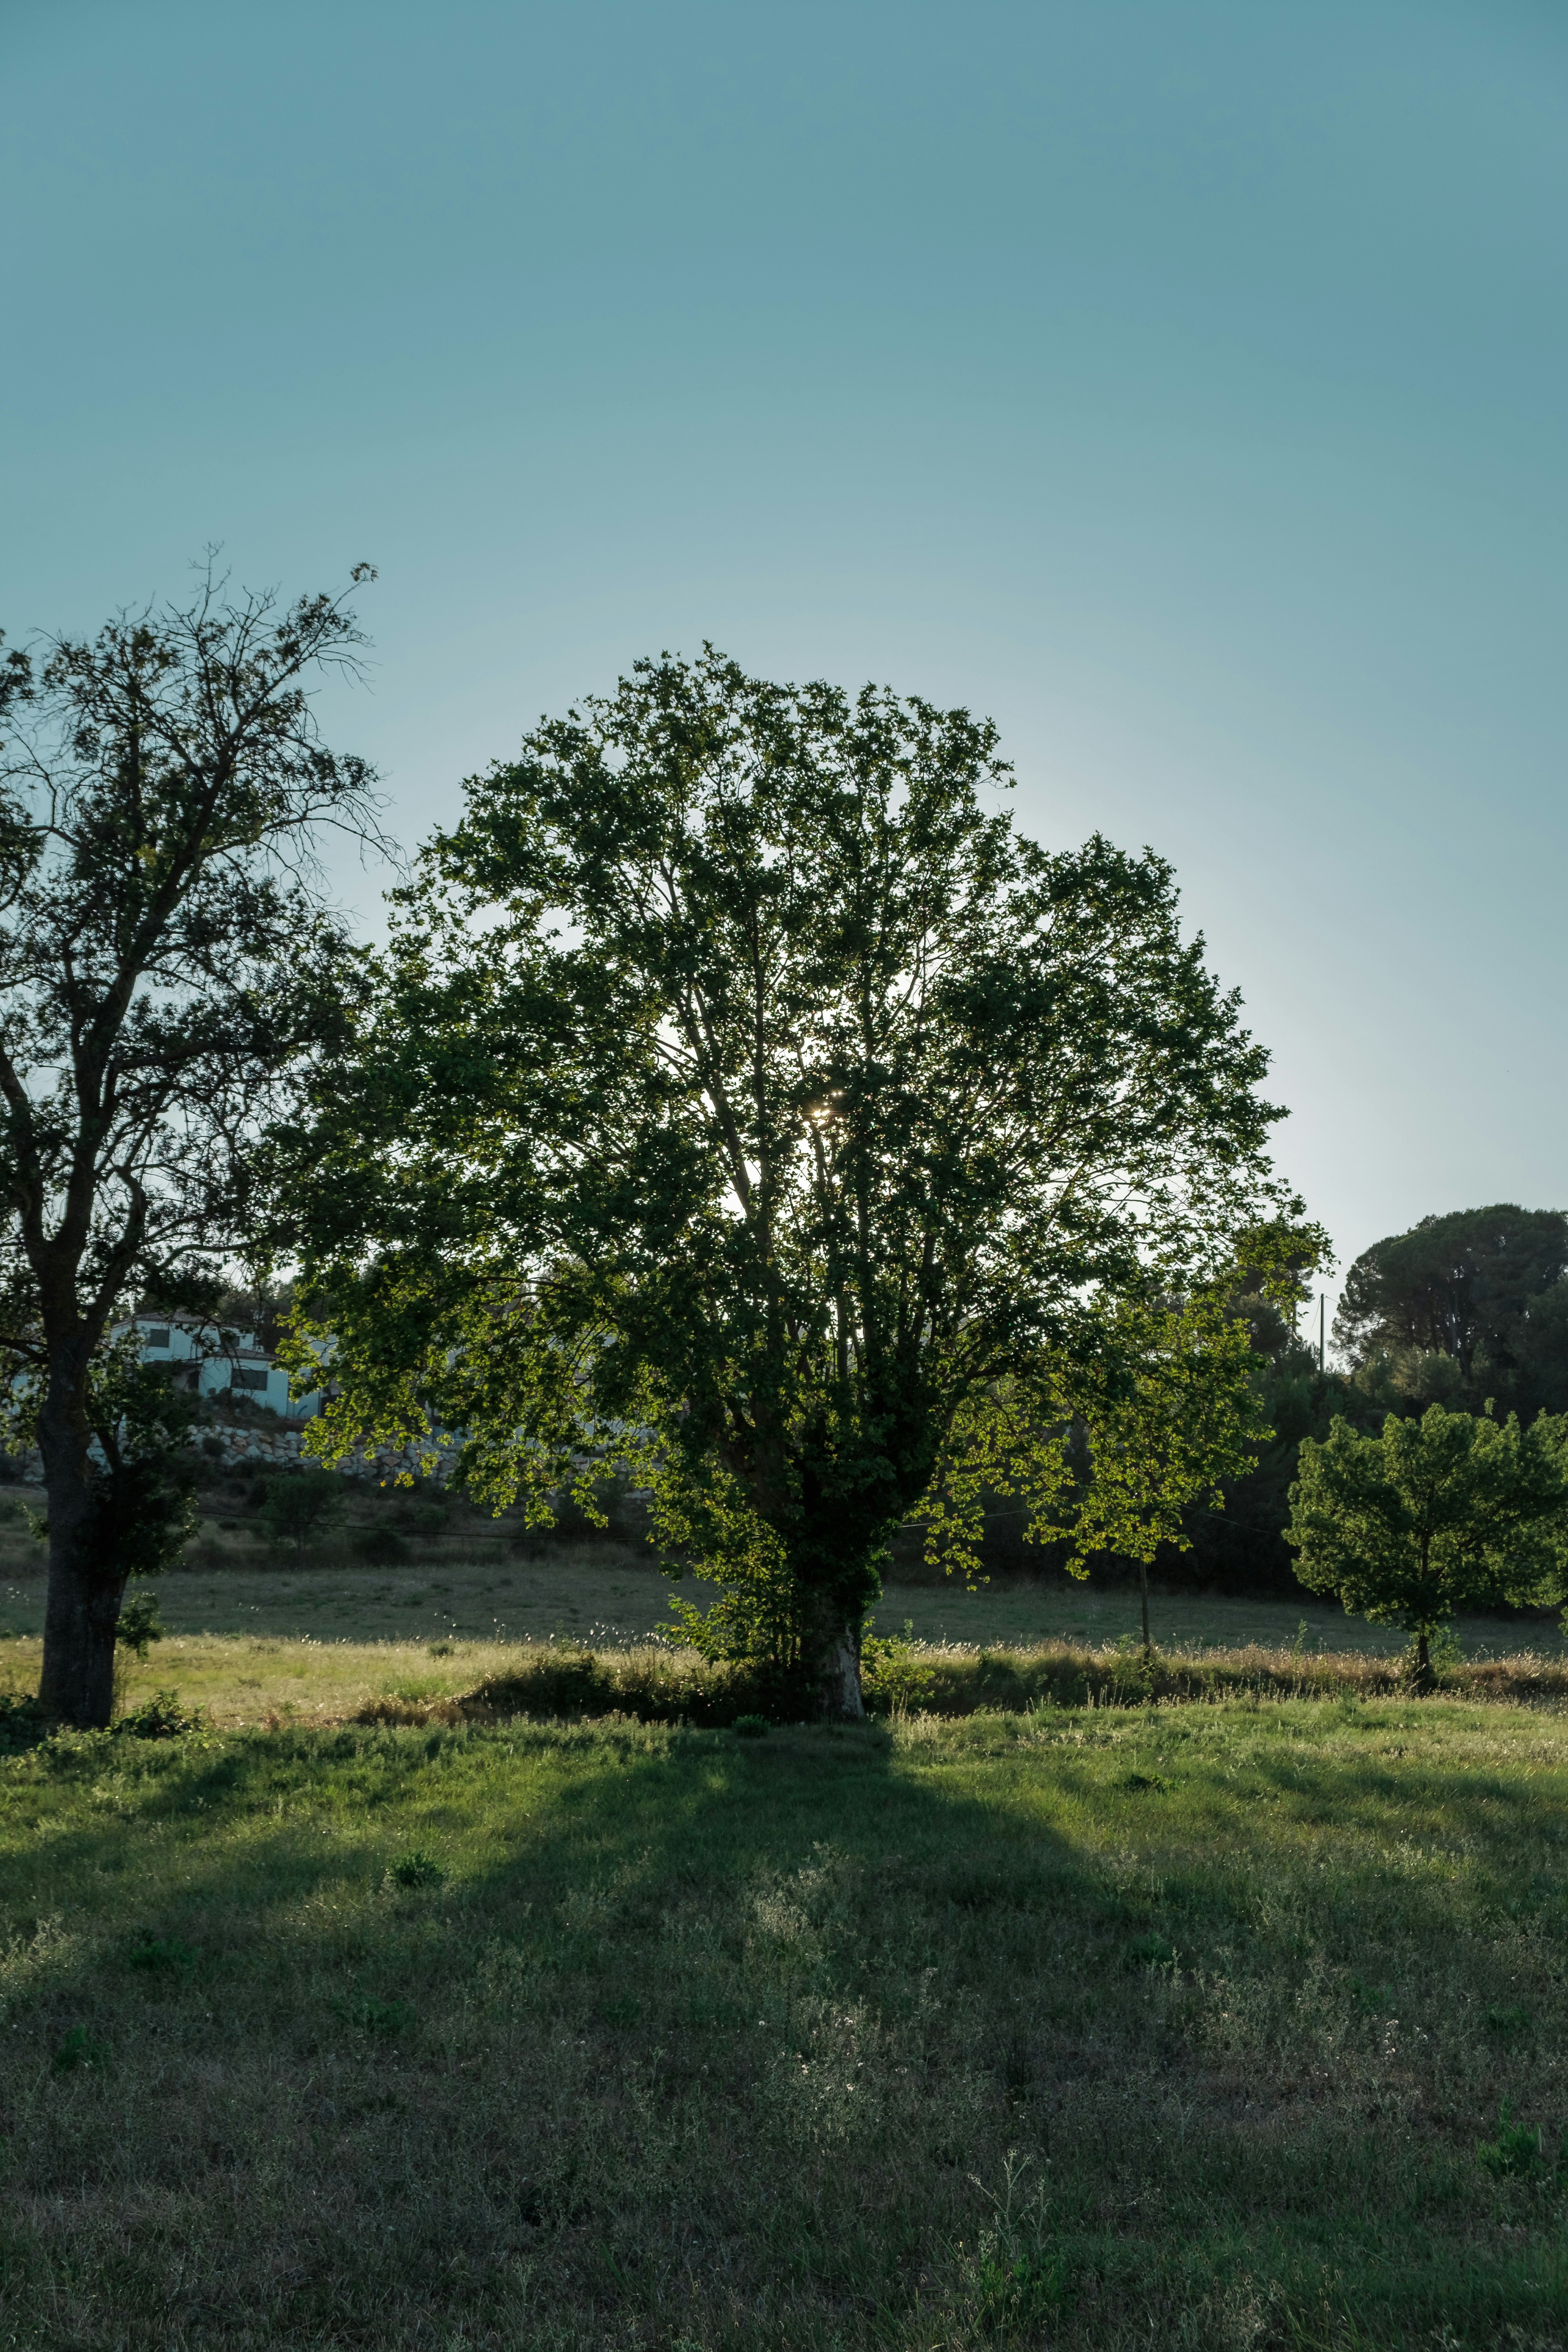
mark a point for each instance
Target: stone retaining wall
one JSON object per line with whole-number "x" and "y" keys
{"x": 242, "y": 1444}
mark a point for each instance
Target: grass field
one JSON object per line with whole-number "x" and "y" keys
{"x": 315, "y": 1644}
{"x": 601, "y": 1590}
{"x": 1178, "y": 2027}
{"x": 1229, "y": 2025}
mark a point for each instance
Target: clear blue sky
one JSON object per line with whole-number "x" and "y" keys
{"x": 1182, "y": 381}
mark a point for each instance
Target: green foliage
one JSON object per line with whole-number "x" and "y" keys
{"x": 416, "y": 1868}
{"x": 159, "y": 1717}
{"x": 163, "y": 1956}
{"x": 163, "y": 972}
{"x": 893, "y": 1672}
{"x": 1449, "y": 1512}
{"x": 1239, "y": 1543}
{"x": 138, "y": 1624}
{"x": 745, "y": 1104}
{"x": 383, "y": 2018}
{"x": 301, "y": 1506}
{"x": 1022, "y": 2282}
{"x": 140, "y": 1508}
{"x": 1444, "y": 1652}
{"x": 1515, "y": 2153}
{"x": 380, "y": 1546}
{"x": 80, "y": 2047}
{"x": 1464, "y": 1307}
{"x": 23, "y": 1724}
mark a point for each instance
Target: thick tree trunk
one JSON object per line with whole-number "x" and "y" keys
{"x": 83, "y": 1605}
{"x": 832, "y": 1664}
{"x": 1423, "y": 1678}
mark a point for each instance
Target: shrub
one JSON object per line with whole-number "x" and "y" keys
{"x": 298, "y": 1505}
{"x": 382, "y": 2016}
{"x": 160, "y": 1717}
{"x": 380, "y": 1547}
{"x": 894, "y": 1676}
{"x": 139, "y": 1623}
{"x": 23, "y": 1725}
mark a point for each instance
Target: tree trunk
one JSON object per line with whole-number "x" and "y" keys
{"x": 83, "y": 1605}
{"x": 1144, "y": 1596}
{"x": 1423, "y": 1678}
{"x": 832, "y": 1664}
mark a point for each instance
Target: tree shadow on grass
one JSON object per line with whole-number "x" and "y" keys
{"x": 586, "y": 2034}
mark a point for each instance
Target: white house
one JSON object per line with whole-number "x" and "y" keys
{"x": 216, "y": 1361}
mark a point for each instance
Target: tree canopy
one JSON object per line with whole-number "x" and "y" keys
{"x": 166, "y": 962}
{"x": 1479, "y": 1294}
{"x": 1452, "y": 1511}
{"x": 745, "y": 1096}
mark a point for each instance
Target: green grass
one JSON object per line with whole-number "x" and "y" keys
{"x": 1229, "y": 2026}
{"x": 603, "y": 1591}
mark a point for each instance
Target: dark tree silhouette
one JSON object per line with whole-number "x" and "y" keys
{"x": 168, "y": 965}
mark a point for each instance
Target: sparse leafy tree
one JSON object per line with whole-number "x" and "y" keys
{"x": 166, "y": 965}
{"x": 1454, "y": 1511}
{"x": 744, "y": 1101}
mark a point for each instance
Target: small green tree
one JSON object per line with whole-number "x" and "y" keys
{"x": 300, "y": 1505}
{"x": 1452, "y": 1511}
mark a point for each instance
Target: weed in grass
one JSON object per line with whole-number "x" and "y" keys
{"x": 1515, "y": 2153}
{"x": 162, "y": 1956}
{"x": 1509, "y": 2022}
{"x": 160, "y": 1717}
{"x": 80, "y": 2047}
{"x": 383, "y": 2018}
{"x": 23, "y": 1725}
{"x": 1150, "y": 1951}
{"x": 416, "y": 1868}
{"x": 752, "y": 1726}
{"x": 1020, "y": 2283}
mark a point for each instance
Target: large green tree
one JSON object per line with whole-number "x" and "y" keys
{"x": 166, "y": 964}
{"x": 745, "y": 1096}
{"x": 1473, "y": 1305}
{"x": 1454, "y": 1511}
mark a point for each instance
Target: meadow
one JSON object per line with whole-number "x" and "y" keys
{"x": 1233, "y": 2024}
{"x": 1174, "y": 2027}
